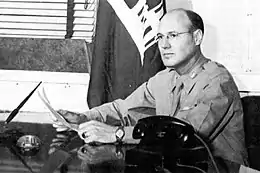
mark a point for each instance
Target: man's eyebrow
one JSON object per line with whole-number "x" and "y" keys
{"x": 170, "y": 32}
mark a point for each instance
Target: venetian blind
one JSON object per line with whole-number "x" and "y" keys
{"x": 60, "y": 19}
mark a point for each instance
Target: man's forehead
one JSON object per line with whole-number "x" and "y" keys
{"x": 174, "y": 21}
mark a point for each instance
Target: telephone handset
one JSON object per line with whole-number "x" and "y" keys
{"x": 163, "y": 131}
{"x": 174, "y": 139}
{"x": 163, "y": 134}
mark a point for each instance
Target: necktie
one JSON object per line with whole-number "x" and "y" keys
{"x": 176, "y": 96}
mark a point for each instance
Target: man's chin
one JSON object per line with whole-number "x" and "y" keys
{"x": 169, "y": 64}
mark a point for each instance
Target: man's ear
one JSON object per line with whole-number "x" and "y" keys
{"x": 197, "y": 35}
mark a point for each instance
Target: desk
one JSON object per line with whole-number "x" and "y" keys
{"x": 66, "y": 153}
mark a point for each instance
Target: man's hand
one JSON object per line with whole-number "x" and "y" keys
{"x": 97, "y": 154}
{"x": 71, "y": 117}
{"x": 59, "y": 141}
{"x": 95, "y": 131}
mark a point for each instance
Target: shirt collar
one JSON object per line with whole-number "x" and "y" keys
{"x": 197, "y": 68}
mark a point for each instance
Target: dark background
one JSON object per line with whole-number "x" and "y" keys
{"x": 59, "y": 55}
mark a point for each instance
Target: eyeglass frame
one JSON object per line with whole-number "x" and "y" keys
{"x": 174, "y": 34}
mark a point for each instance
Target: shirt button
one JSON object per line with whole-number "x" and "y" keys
{"x": 193, "y": 75}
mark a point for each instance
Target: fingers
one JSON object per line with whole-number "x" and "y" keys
{"x": 58, "y": 141}
{"x": 56, "y": 124}
{"x": 62, "y": 112}
{"x": 94, "y": 131}
{"x": 91, "y": 124}
{"x": 65, "y": 114}
{"x": 60, "y": 138}
{"x": 88, "y": 129}
{"x": 85, "y": 149}
{"x": 51, "y": 150}
{"x": 83, "y": 134}
{"x": 88, "y": 135}
{"x": 92, "y": 127}
{"x": 89, "y": 154}
{"x": 83, "y": 153}
{"x": 90, "y": 139}
{"x": 59, "y": 127}
{"x": 71, "y": 117}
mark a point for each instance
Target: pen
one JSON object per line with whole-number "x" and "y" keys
{"x": 16, "y": 110}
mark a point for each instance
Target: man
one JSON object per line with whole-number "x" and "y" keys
{"x": 192, "y": 88}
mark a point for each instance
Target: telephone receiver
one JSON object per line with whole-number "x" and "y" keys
{"x": 172, "y": 138}
{"x": 163, "y": 132}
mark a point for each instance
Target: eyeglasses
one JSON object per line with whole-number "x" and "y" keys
{"x": 170, "y": 35}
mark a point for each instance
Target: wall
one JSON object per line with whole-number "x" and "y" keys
{"x": 61, "y": 65}
{"x": 231, "y": 36}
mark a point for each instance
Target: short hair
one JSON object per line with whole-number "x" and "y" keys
{"x": 196, "y": 20}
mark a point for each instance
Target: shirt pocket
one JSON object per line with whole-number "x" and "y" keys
{"x": 185, "y": 110}
{"x": 188, "y": 107}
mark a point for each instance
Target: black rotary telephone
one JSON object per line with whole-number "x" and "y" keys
{"x": 171, "y": 138}
{"x": 163, "y": 131}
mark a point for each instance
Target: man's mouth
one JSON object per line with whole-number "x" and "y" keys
{"x": 168, "y": 55}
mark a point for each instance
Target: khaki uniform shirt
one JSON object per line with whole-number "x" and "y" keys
{"x": 207, "y": 98}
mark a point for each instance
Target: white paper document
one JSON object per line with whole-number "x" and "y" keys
{"x": 59, "y": 117}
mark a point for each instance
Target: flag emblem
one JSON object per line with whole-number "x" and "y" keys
{"x": 141, "y": 21}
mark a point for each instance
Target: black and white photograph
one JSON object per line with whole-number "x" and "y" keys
{"x": 129, "y": 86}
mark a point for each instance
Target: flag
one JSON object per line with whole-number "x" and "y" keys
{"x": 125, "y": 52}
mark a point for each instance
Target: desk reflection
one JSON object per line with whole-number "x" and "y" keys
{"x": 67, "y": 153}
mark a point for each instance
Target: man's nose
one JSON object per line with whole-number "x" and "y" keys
{"x": 164, "y": 43}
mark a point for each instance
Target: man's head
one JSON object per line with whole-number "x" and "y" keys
{"x": 179, "y": 37}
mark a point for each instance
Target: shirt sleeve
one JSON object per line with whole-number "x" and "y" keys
{"x": 214, "y": 107}
{"x": 126, "y": 112}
